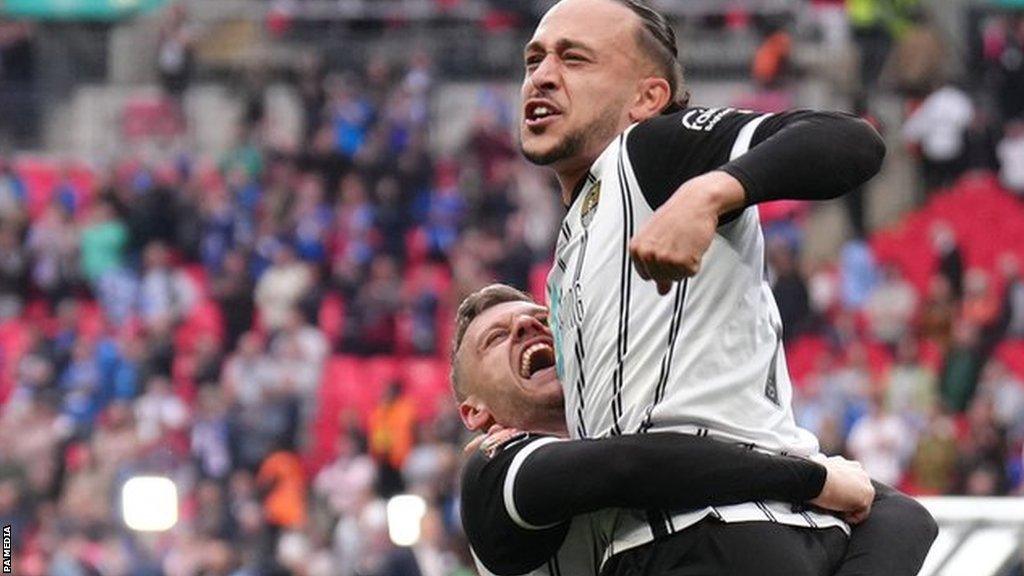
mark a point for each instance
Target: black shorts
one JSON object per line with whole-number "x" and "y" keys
{"x": 715, "y": 548}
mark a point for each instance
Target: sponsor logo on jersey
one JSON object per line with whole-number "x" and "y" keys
{"x": 705, "y": 119}
{"x": 590, "y": 201}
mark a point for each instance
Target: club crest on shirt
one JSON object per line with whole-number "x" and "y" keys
{"x": 589, "y": 207}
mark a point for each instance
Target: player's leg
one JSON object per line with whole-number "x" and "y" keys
{"x": 893, "y": 541}
{"x": 737, "y": 549}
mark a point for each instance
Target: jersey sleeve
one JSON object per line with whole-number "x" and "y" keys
{"x": 666, "y": 151}
{"x": 798, "y": 155}
{"x": 501, "y": 540}
{"x": 659, "y": 470}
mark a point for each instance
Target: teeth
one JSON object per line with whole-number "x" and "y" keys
{"x": 541, "y": 111}
{"x": 524, "y": 367}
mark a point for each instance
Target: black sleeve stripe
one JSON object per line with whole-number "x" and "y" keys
{"x": 625, "y": 289}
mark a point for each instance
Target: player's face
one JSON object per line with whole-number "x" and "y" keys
{"x": 581, "y": 78}
{"x": 507, "y": 361}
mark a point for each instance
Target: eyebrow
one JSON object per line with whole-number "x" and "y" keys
{"x": 561, "y": 45}
{"x": 504, "y": 322}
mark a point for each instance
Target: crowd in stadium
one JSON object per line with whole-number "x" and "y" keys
{"x": 177, "y": 317}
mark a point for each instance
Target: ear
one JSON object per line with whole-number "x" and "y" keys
{"x": 654, "y": 95}
{"x": 475, "y": 414}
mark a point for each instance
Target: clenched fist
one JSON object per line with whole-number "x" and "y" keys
{"x": 670, "y": 246}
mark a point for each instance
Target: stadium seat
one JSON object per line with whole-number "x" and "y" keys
{"x": 426, "y": 380}
{"x": 1011, "y": 353}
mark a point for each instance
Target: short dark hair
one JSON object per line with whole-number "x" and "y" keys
{"x": 474, "y": 305}
{"x": 658, "y": 40}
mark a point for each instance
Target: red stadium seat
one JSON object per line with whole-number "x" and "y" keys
{"x": 801, "y": 356}
{"x": 1011, "y": 353}
{"x": 331, "y": 317}
{"x": 426, "y": 380}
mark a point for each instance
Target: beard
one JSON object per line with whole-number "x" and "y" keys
{"x": 602, "y": 130}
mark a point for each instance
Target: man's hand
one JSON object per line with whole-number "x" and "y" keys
{"x": 672, "y": 243}
{"x": 488, "y": 443}
{"x": 847, "y": 489}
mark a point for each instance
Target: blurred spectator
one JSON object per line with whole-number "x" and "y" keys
{"x": 1011, "y": 157}
{"x": 14, "y": 272}
{"x": 347, "y": 483}
{"x": 371, "y": 327}
{"x": 248, "y": 374}
{"x": 934, "y": 461}
{"x": 80, "y": 384}
{"x": 891, "y": 307}
{"x": 391, "y": 430}
{"x": 103, "y": 242}
{"x": 951, "y": 262}
{"x": 53, "y": 243}
{"x": 939, "y": 126}
{"x": 867, "y": 19}
{"x": 881, "y": 442}
{"x": 918, "y": 63}
{"x": 165, "y": 292}
{"x": 772, "y": 58}
{"x": 422, "y": 300}
{"x": 980, "y": 305}
{"x": 910, "y": 386}
{"x": 1010, "y": 69}
{"x": 284, "y": 482}
{"x": 175, "y": 52}
{"x": 1005, "y": 392}
{"x": 961, "y": 368}
{"x": 858, "y": 273}
{"x": 211, "y": 435}
{"x": 117, "y": 439}
{"x": 980, "y": 467}
{"x": 938, "y": 312}
{"x": 159, "y": 411}
{"x": 281, "y": 287}
{"x": 13, "y": 195}
{"x": 1012, "y": 312}
{"x": 790, "y": 290}
{"x": 233, "y": 289}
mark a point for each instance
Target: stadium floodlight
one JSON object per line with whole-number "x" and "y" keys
{"x": 405, "y": 519}
{"x": 149, "y": 503}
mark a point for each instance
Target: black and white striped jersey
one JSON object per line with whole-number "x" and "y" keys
{"x": 705, "y": 359}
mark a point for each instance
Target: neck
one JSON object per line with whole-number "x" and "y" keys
{"x": 552, "y": 428}
{"x": 549, "y": 421}
{"x": 570, "y": 180}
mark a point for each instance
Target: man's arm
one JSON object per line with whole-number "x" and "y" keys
{"x": 556, "y": 480}
{"x": 699, "y": 175}
{"x": 807, "y": 156}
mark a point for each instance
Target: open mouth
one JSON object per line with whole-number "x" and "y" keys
{"x": 540, "y": 113}
{"x": 536, "y": 357}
